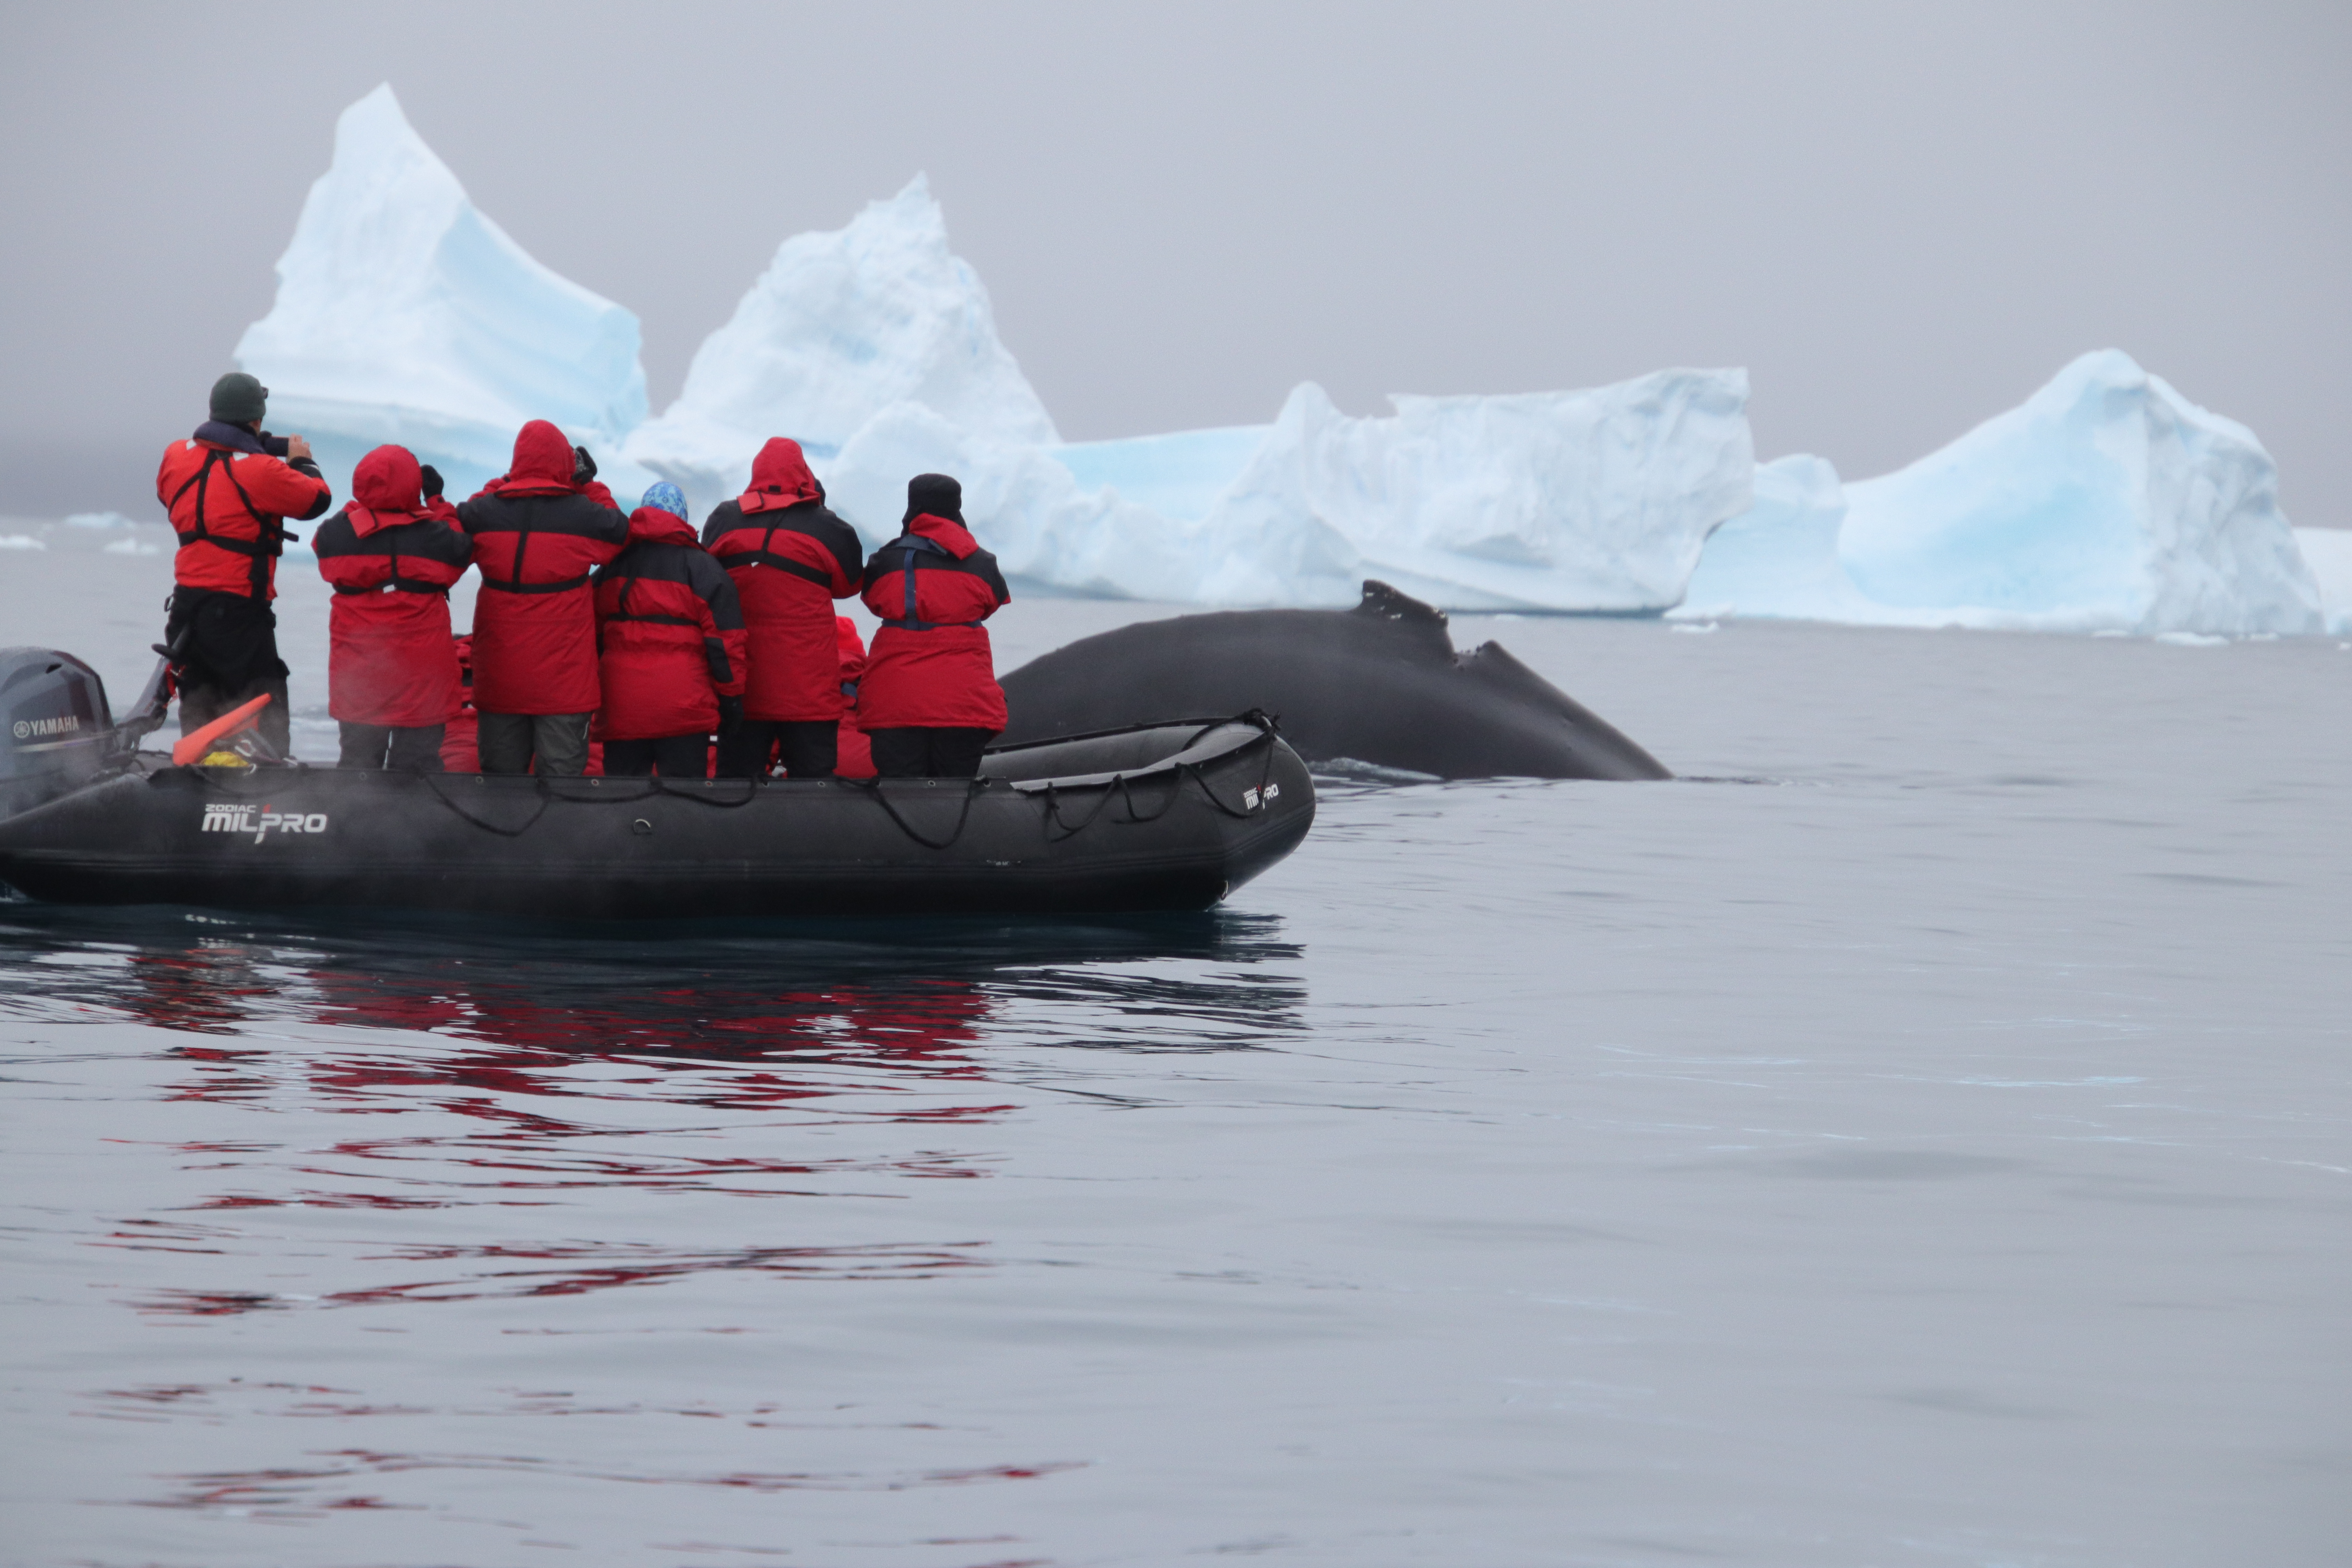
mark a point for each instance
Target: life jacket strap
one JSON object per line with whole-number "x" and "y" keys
{"x": 563, "y": 587}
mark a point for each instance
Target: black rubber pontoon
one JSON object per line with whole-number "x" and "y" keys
{"x": 1169, "y": 817}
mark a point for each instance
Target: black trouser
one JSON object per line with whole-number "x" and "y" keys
{"x": 398, "y": 748}
{"x": 509, "y": 742}
{"x": 811, "y": 748}
{"x": 929, "y": 753}
{"x": 673, "y": 756}
{"x": 228, "y": 657}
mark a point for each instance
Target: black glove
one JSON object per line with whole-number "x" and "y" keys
{"x": 583, "y": 467}
{"x": 432, "y": 481}
{"x": 731, "y": 715}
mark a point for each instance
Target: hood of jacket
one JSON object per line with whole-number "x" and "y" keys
{"x": 387, "y": 489}
{"x": 542, "y": 464}
{"x": 652, "y": 525}
{"x": 780, "y": 477}
{"x": 952, "y": 537}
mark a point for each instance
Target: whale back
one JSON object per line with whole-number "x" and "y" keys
{"x": 1380, "y": 683}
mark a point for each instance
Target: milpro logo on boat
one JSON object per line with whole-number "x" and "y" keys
{"x": 65, "y": 724}
{"x": 1250, "y": 797}
{"x": 239, "y": 818}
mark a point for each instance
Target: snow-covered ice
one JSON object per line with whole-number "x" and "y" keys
{"x": 2105, "y": 501}
{"x": 404, "y": 314}
{"x": 841, "y": 327}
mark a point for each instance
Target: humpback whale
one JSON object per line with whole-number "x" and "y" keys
{"x": 1380, "y": 684}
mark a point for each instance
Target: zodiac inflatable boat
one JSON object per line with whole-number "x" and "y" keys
{"x": 1165, "y": 817}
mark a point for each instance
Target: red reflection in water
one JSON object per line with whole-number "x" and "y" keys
{"x": 281, "y": 1493}
{"x": 587, "y": 1268}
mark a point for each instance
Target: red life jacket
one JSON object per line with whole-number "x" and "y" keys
{"x": 391, "y": 557}
{"x": 930, "y": 665}
{"x": 791, "y": 558}
{"x": 671, "y": 634}
{"x": 537, "y": 538}
{"x": 229, "y": 502}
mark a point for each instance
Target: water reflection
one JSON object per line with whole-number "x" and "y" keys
{"x": 464, "y": 1065}
{"x": 916, "y": 992}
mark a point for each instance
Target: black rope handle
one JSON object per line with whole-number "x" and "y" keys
{"x": 872, "y": 789}
{"x": 751, "y": 794}
{"x": 1263, "y": 723}
{"x": 1125, "y": 786}
{"x": 433, "y": 785}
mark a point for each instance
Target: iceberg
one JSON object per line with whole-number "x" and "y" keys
{"x": 1590, "y": 500}
{"x": 2106, "y": 502}
{"x": 842, "y": 326}
{"x": 1179, "y": 476}
{"x": 1779, "y": 557}
{"x": 2329, "y": 553}
{"x": 403, "y": 314}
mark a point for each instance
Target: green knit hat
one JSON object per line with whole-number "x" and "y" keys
{"x": 239, "y": 399}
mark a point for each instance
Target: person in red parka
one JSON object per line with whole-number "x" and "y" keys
{"x": 391, "y": 556}
{"x": 460, "y": 752}
{"x": 791, "y": 558}
{"x": 929, "y": 702}
{"x": 857, "y": 755}
{"x": 229, "y": 489}
{"x": 672, "y": 636}
{"x": 538, "y": 531}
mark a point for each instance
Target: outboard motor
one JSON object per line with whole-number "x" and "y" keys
{"x": 56, "y": 731}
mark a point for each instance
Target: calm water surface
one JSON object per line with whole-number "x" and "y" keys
{"x": 1924, "y": 1138}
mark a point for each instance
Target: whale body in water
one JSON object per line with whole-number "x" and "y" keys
{"x": 1380, "y": 684}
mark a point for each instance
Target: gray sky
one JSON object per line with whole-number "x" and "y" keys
{"x": 1901, "y": 218}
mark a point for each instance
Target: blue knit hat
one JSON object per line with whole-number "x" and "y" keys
{"x": 668, "y": 497}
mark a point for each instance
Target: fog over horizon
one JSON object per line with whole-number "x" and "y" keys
{"x": 1901, "y": 222}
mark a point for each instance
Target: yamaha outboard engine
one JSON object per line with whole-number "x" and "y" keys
{"x": 55, "y": 733}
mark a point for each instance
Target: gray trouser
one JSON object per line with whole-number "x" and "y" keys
{"x": 413, "y": 749}
{"x": 560, "y": 741}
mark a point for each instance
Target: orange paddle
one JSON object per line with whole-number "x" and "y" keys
{"x": 188, "y": 748}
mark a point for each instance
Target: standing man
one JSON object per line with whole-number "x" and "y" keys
{"x": 229, "y": 489}
{"x": 928, "y": 701}
{"x": 539, "y": 530}
{"x": 791, "y": 558}
{"x": 673, "y": 646}
{"x": 391, "y": 556}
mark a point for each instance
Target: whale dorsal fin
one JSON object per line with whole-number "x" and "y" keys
{"x": 1385, "y": 601}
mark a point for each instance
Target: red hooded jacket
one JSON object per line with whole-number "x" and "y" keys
{"x": 854, "y": 755}
{"x": 461, "y": 742}
{"x": 930, "y": 666}
{"x": 671, "y": 632}
{"x": 229, "y": 502}
{"x": 536, "y": 537}
{"x": 791, "y": 558}
{"x": 391, "y": 556}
